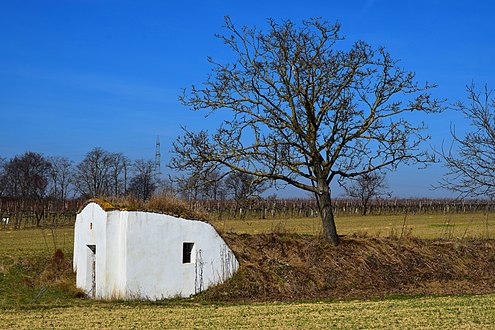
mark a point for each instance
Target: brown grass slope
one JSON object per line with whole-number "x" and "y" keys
{"x": 282, "y": 267}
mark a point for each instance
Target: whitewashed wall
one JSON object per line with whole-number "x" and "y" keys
{"x": 139, "y": 254}
{"x": 90, "y": 229}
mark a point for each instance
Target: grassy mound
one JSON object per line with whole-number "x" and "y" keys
{"x": 158, "y": 204}
{"x": 281, "y": 267}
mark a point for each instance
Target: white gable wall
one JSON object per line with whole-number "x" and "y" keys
{"x": 90, "y": 229}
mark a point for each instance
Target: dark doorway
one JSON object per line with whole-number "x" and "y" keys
{"x": 92, "y": 269}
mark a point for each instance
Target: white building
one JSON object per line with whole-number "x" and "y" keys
{"x": 122, "y": 254}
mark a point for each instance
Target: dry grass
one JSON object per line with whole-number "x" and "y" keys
{"x": 160, "y": 204}
{"x": 461, "y": 312}
{"x": 293, "y": 267}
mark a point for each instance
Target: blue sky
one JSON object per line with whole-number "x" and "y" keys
{"x": 84, "y": 73}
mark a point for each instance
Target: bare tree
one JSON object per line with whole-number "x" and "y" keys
{"x": 3, "y": 179}
{"x": 166, "y": 187}
{"x": 28, "y": 176}
{"x": 126, "y": 169}
{"x": 366, "y": 187}
{"x": 92, "y": 174}
{"x": 213, "y": 185}
{"x": 143, "y": 183}
{"x": 305, "y": 111}
{"x": 119, "y": 165}
{"x": 243, "y": 186}
{"x": 61, "y": 177}
{"x": 471, "y": 158}
{"x": 190, "y": 186}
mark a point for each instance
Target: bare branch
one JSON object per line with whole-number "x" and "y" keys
{"x": 471, "y": 166}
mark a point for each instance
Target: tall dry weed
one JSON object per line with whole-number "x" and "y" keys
{"x": 289, "y": 266}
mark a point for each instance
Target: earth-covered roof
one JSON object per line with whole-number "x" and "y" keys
{"x": 168, "y": 206}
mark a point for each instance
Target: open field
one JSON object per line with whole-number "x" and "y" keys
{"x": 36, "y": 240}
{"x": 458, "y": 312}
{"x": 456, "y": 225}
{"x": 33, "y": 296}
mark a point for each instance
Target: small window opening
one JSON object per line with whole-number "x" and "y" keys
{"x": 187, "y": 249}
{"x": 90, "y": 226}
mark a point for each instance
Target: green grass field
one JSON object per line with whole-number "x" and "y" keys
{"x": 32, "y": 297}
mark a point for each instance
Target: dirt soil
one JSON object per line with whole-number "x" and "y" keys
{"x": 285, "y": 267}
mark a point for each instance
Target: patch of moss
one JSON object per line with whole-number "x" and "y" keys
{"x": 105, "y": 205}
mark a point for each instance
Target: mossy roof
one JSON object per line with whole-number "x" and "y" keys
{"x": 108, "y": 206}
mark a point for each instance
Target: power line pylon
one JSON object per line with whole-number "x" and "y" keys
{"x": 158, "y": 169}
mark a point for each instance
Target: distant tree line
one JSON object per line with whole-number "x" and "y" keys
{"x": 33, "y": 176}
{"x": 36, "y": 189}
{"x": 33, "y": 185}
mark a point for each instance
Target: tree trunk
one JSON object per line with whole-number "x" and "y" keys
{"x": 326, "y": 214}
